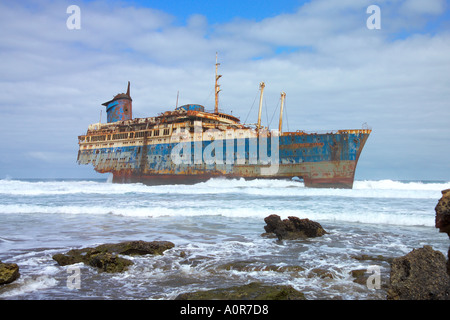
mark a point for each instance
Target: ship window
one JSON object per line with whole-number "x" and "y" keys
{"x": 156, "y": 133}
{"x": 166, "y": 132}
{"x": 98, "y": 138}
{"x": 120, "y": 136}
{"x": 140, "y": 134}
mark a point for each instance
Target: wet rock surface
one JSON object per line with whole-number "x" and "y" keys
{"x": 252, "y": 291}
{"x": 106, "y": 257}
{"x": 419, "y": 275}
{"x": 9, "y": 272}
{"x": 442, "y": 220}
{"x": 292, "y": 228}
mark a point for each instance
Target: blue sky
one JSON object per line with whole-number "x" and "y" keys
{"x": 223, "y": 11}
{"x": 336, "y": 72}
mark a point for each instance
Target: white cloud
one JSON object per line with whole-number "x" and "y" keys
{"x": 433, "y": 7}
{"x": 338, "y": 74}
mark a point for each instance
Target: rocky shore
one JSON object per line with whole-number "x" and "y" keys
{"x": 9, "y": 272}
{"x": 251, "y": 291}
{"x": 422, "y": 274}
{"x": 106, "y": 257}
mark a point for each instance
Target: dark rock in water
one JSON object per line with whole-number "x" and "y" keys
{"x": 419, "y": 275}
{"x": 137, "y": 247}
{"x": 364, "y": 257}
{"x": 252, "y": 291}
{"x": 105, "y": 257}
{"x": 292, "y": 227}
{"x": 448, "y": 261}
{"x": 442, "y": 220}
{"x": 360, "y": 276}
{"x": 102, "y": 260}
{"x": 108, "y": 262}
{"x": 275, "y": 225}
{"x": 9, "y": 272}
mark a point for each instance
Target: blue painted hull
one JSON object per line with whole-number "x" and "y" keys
{"x": 321, "y": 160}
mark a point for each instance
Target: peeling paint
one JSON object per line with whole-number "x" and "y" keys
{"x": 189, "y": 145}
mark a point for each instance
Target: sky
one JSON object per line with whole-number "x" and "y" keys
{"x": 336, "y": 71}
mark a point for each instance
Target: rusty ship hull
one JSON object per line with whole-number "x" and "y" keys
{"x": 315, "y": 167}
{"x": 190, "y": 145}
{"x": 142, "y": 150}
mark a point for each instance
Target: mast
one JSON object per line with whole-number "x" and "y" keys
{"x": 261, "y": 86}
{"x": 217, "y": 88}
{"x": 280, "y": 126}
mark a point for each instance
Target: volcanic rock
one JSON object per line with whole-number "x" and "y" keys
{"x": 105, "y": 257}
{"x": 419, "y": 275}
{"x": 442, "y": 220}
{"x": 9, "y": 272}
{"x": 293, "y": 227}
{"x": 137, "y": 247}
{"x": 251, "y": 291}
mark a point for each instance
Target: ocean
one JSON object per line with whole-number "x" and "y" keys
{"x": 217, "y": 229}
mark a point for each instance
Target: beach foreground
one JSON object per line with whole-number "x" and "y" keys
{"x": 217, "y": 231}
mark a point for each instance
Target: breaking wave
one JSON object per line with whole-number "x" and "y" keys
{"x": 370, "y": 201}
{"x": 366, "y": 188}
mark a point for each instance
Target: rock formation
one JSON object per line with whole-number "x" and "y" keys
{"x": 251, "y": 291}
{"x": 442, "y": 221}
{"x": 9, "y": 272}
{"x": 424, "y": 274}
{"x": 419, "y": 275}
{"x": 292, "y": 227}
{"x": 105, "y": 257}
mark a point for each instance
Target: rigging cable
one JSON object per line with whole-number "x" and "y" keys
{"x": 256, "y": 96}
{"x": 273, "y": 115}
